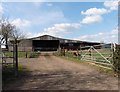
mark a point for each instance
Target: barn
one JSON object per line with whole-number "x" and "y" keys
{"x": 50, "y": 43}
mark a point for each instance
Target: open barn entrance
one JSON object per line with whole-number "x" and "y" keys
{"x": 45, "y": 45}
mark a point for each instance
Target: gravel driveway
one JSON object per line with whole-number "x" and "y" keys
{"x": 50, "y": 72}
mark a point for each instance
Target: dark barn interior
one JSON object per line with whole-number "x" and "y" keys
{"x": 75, "y": 46}
{"x": 45, "y": 45}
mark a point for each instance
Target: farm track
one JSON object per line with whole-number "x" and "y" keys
{"x": 49, "y": 72}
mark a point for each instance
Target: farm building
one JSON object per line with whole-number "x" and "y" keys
{"x": 50, "y": 43}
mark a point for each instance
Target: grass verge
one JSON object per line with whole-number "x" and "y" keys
{"x": 20, "y": 54}
{"x": 23, "y": 54}
{"x": 34, "y": 54}
{"x": 96, "y": 66}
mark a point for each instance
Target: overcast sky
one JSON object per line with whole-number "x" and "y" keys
{"x": 93, "y": 21}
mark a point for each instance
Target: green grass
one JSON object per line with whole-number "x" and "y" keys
{"x": 69, "y": 56}
{"x": 34, "y": 54}
{"x": 46, "y": 54}
{"x": 8, "y": 74}
{"x": 20, "y": 54}
{"x": 107, "y": 53}
{"x": 106, "y": 70}
{"x": 96, "y": 56}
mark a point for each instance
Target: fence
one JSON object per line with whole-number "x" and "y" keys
{"x": 7, "y": 59}
{"x": 100, "y": 54}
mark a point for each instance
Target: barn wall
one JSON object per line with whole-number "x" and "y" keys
{"x": 25, "y": 45}
{"x": 10, "y": 48}
{"x": 24, "y": 48}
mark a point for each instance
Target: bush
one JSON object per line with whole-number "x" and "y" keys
{"x": 8, "y": 73}
{"x": 116, "y": 59}
{"x": 34, "y": 55}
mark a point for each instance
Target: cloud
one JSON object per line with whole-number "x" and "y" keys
{"x": 20, "y": 23}
{"x": 58, "y": 29}
{"x": 112, "y": 5}
{"x": 107, "y": 37}
{"x": 93, "y": 15}
{"x": 91, "y": 19}
{"x": 37, "y": 4}
{"x": 49, "y": 17}
{"x": 52, "y": 23}
{"x": 90, "y": 37}
{"x": 94, "y": 11}
{"x": 114, "y": 31}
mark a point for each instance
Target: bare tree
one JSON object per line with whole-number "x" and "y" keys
{"x": 9, "y": 31}
{"x": 16, "y": 35}
{"x": 5, "y": 30}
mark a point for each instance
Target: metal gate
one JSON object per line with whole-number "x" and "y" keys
{"x": 9, "y": 57}
{"x": 99, "y": 54}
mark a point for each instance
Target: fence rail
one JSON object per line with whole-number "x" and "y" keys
{"x": 6, "y": 60}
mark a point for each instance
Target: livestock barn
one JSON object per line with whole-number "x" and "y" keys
{"x": 50, "y": 43}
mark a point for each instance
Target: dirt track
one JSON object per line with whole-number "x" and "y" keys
{"x": 51, "y": 72}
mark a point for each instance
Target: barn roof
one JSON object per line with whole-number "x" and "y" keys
{"x": 49, "y": 37}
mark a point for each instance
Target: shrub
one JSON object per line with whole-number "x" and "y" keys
{"x": 116, "y": 59}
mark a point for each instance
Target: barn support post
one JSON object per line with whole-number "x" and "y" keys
{"x": 63, "y": 51}
{"x": 13, "y": 55}
{"x": 26, "y": 54}
{"x": 58, "y": 50}
{"x": 90, "y": 53}
{"x": 80, "y": 52}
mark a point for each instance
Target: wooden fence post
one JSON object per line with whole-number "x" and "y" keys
{"x": 0, "y": 77}
{"x": 16, "y": 60}
{"x": 116, "y": 58}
